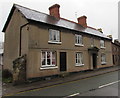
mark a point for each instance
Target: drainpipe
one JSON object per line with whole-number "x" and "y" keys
{"x": 21, "y": 27}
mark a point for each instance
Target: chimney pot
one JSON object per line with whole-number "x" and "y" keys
{"x": 54, "y": 11}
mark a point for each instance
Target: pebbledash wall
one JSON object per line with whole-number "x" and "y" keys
{"x": 63, "y": 54}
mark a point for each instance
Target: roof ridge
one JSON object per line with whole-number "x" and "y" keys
{"x": 92, "y": 28}
{"x": 71, "y": 21}
{"x": 30, "y": 9}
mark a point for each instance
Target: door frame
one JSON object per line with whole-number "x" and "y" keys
{"x": 63, "y": 61}
{"x": 94, "y": 60}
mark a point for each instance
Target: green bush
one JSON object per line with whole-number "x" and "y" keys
{"x": 6, "y": 74}
{"x": 7, "y": 80}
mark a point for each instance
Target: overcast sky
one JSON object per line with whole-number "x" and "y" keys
{"x": 100, "y": 13}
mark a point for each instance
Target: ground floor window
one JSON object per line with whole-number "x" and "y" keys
{"x": 48, "y": 58}
{"x": 103, "y": 58}
{"x": 79, "y": 59}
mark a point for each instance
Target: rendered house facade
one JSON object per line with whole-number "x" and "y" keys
{"x": 116, "y": 53}
{"x": 53, "y": 45}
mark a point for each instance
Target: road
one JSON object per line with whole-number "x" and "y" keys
{"x": 102, "y": 85}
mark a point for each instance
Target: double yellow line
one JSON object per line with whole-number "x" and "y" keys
{"x": 56, "y": 84}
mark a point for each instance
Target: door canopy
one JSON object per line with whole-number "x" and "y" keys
{"x": 94, "y": 49}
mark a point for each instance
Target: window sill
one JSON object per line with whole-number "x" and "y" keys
{"x": 50, "y": 67}
{"x": 103, "y": 63}
{"x": 51, "y": 42}
{"x": 102, "y": 47}
{"x": 79, "y": 65}
{"x": 81, "y": 45}
{"x": 92, "y": 45}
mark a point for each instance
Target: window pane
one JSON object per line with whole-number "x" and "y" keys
{"x": 43, "y": 62}
{"x": 48, "y": 61}
{"x": 43, "y": 58}
{"x": 50, "y": 34}
{"x": 81, "y": 41}
{"x": 53, "y": 62}
{"x": 48, "y": 58}
{"x": 48, "y": 55}
{"x": 79, "y": 58}
{"x": 75, "y": 38}
{"x": 78, "y": 39}
{"x": 53, "y": 58}
{"x": 102, "y": 44}
{"x": 58, "y": 36}
{"x": 92, "y": 41}
{"x": 76, "y": 61}
{"x": 43, "y": 55}
{"x": 53, "y": 55}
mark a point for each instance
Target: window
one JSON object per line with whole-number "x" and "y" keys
{"x": 79, "y": 59}
{"x": 103, "y": 58}
{"x": 78, "y": 40}
{"x": 48, "y": 59}
{"x": 92, "y": 42}
{"x": 113, "y": 59}
{"x": 54, "y": 35}
{"x": 102, "y": 43}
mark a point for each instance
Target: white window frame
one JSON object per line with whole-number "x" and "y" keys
{"x": 46, "y": 66}
{"x": 103, "y": 58}
{"x": 54, "y": 33}
{"x": 102, "y": 44}
{"x": 92, "y": 41}
{"x": 78, "y": 40}
{"x": 79, "y": 58}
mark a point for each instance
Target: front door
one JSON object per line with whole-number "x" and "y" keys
{"x": 94, "y": 60}
{"x": 63, "y": 61}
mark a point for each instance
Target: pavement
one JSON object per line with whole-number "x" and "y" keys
{"x": 9, "y": 89}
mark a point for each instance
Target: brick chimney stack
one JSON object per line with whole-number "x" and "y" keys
{"x": 54, "y": 11}
{"x": 82, "y": 21}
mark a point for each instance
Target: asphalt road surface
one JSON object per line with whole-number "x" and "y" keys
{"x": 102, "y": 85}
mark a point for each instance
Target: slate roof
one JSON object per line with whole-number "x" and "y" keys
{"x": 45, "y": 18}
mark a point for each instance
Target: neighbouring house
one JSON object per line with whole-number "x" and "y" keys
{"x": 53, "y": 45}
{"x": 1, "y": 55}
{"x": 116, "y": 52}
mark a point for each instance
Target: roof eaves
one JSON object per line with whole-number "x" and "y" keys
{"x": 8, "y": 19}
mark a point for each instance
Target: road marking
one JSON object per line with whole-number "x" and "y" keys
{"x": 73, "y": 95}
{"x": 36, "y": 89}
{"x": 108, "y": 84}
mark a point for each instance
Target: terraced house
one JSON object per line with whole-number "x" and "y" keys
{"x": 116, "y": 52}
{"x": 53, "y": 45}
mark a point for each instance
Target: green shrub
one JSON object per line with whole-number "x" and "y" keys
{"x": 6, "y": 74}
{"x": 7, "y": 80}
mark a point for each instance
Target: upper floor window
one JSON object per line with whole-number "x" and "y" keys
{"x": 92, "y": 42}
{"x": 78, "y": 40}
{"x": 102, "y": 43}
{"x": 54, "y": 36}
{"x": 103, "y": 58}
{"x": 79, "y": 59}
